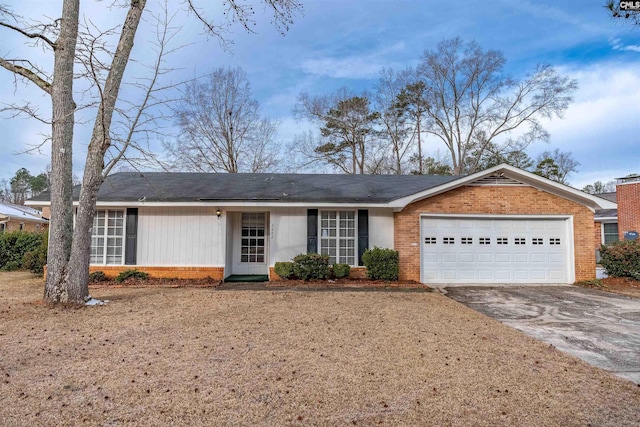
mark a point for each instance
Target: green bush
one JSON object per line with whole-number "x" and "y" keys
{"x": 622, "y": 259}
{"x": 131, "y": 274}
{"x": 97, "y": 276}
{"x": 284, "y": 269}
{"x": 311, "y": 266}
{"x": 15, "y": 244}
{"x": 381, "y": 263}
{"x": 339, "y": 271}
{"x": 36, "y": 259}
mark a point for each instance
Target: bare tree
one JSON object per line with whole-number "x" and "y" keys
{"x": 221, "y": 127}
{"x": 556, "y": 165}
{"x": 599, "y": 187}
{"x": 68, "y": 257}
{"x": 346, "y": 124}
{"x": 470, "y": 103}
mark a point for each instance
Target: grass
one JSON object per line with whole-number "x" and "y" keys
{"x": 200, "y": 356}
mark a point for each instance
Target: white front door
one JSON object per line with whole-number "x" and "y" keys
{"x": 250, "y": 244}
{"x": 495, "y": 250}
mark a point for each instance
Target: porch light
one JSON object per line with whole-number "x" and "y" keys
{"x": 218, "y": 212}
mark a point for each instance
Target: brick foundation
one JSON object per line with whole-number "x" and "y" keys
{"x": 498, "y": 200}
{"x": 216, "y": 273}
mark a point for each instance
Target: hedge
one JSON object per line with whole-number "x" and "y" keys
{"x": 382, "y": 263}
{"x": 621, "y": 259}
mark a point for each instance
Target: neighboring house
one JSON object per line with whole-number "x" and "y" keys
{"x": 501, "y": 225}
{"x": 612, "y": 224}
{"x": 18, "y": 217}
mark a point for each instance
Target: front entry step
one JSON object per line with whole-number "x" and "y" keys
{"x": 235, "y": 278}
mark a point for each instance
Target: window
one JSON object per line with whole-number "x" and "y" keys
{"x": 107, "y": 237}
{"x": 429, "y": 240}
{"x": 520, "y": 241}
{"x": 537, "y": 241}
{"x": 554, "y": 241}
{"x": 448, "y": 240}
{"x": 502, "y": 240}
{"x": 610, "y": 232}
{"x": 485, "y": 240}
{"x": 22, "y": 226}
{"x": 338, "y": 236}
{"x": 467, "y": 240}
{"x": 252, "y": 244}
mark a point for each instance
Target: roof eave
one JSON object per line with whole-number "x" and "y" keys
{"x": 592, "y": 202}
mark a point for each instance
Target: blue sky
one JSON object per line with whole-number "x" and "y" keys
{"x": 346, "y": 43}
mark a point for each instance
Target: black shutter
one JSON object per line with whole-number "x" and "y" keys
{"x": 363, "y": 233}
{"x": 312, "y": 231}
{"x": 132, "y": 234}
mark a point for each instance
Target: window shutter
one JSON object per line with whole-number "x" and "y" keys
{"x": 131, "y": 237}
{"x": 312, "y": 231}
{"x": 363, "y": 233}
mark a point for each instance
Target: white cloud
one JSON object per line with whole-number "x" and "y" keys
{"x": 616, "y": 44}
{"x": 363, "y": 66}
{"x": 602, "y": 127}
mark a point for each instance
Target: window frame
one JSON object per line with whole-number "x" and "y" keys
{"x": 604, "y": 234}
{"x": 337, "y": 237}
{"x": 106, "y": 236}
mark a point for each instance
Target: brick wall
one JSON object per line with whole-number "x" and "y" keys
{"x": 628, "y": 197}
{"x": 14, "y": 225}
{"x": 216, "y": 273}
{"x": 598, "y": 234}
{"x": 499, "y": 201}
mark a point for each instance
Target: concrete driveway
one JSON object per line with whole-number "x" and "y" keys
{"x": 602, "y": 329}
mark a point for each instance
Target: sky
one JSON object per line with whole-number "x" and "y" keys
{"x": 339, "y": 43}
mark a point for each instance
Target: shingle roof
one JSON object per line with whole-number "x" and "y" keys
{"x": 606, "y": 213}
{"x": 608, "y": 196}
{"x": 192, "y": 187}
{"x": 20, "y": 212}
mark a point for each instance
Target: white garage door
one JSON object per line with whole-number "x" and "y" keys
{"x": 492, "y": 250}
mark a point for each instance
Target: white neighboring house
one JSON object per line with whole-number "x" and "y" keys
{"x": 18, "y": 217}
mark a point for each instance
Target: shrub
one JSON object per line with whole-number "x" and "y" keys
{"x": 311, "y": 266}
{"x": 622, "y": 259}
{"x": 97, "y": 276}
{"x": 36, "y": 259}
{"x": 131, "y": 274}
{"x": 340, "y": 270}
{"x": 284, "y": 270}
{"x": 381, "y": 263}
{"x": 14, "y": 245}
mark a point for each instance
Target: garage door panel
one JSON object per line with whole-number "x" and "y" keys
{"x": 503, "y": 258}
{"x": 464, "y": 250}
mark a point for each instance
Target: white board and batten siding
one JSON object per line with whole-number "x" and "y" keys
{"x": 178, "y": 236}
{"x": 497, "y": 250}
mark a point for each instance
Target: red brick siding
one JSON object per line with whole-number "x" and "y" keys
{"x": 628, "y": 197}
{"x": 499, "y": 201}
{"x": 598, "y": 234}
{"x": 164, "y": 272}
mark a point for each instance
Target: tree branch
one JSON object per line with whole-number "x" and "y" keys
{"x": 26, "y": 73}
{"x": 30, "y": 35}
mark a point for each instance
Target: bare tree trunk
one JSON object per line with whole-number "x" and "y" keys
{"x": 77, "y": 278}
{"x": 63, "y": 107}
{"x": 420, "y": 160}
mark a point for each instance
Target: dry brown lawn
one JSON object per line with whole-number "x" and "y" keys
{"x": 202, "y": 356}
